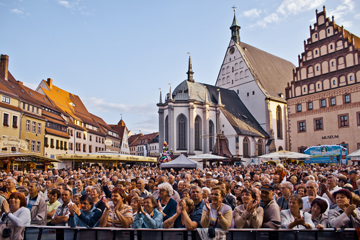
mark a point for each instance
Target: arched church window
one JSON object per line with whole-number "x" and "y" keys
{"x": 279, "y": 122}
{"x": 280, "y": 148}
{"x": 211, "y": 133}
{"x": 197, "y": 133}
{"x": 260, "y": 147}
{"x": 167, "y": 129}
{"x": 246, "y": 150}
{"x": 181, "y": 130}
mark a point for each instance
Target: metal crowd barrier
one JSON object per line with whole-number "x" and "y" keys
{"x": 65, "y": 233}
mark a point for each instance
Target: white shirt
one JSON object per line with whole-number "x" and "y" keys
{"x": 331, "y": 192}
{"x": 307, "y": 204}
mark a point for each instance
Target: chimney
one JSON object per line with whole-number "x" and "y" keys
{"x": 4, "y": 66}
{"x": 49, "y": 82}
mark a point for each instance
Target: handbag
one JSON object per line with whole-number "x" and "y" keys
{"x": 211, "y": 230}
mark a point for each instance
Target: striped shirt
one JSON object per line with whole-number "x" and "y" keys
{"x": 113, "y": 220}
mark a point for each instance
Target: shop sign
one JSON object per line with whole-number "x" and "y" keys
{"x": 330, "y": 137}
{"x": 14, "y": 142}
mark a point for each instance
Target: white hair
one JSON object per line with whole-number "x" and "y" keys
{"x": 12, "y": 179}
{"x": 167, "y": 187}
{"x": 206, "y": 189}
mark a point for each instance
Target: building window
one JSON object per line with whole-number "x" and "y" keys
{"x": 197, "y": 133}
{"x": 39, "y": 128}
{"x": 298, "y": 107}
{"x": 65, "y": 146}
{"x": 211, "y": 133}
{"x": 332, "y": 101}
{"x": 23, "y": 105}
{"x": 347, "y": 98}
{"x": 343, "y": 120}
{"x": 78, "y": 134}
{"x": 334, "y": 82}
{"x": 38, "y": 148}
{"x": 57, "y": 144}
{"x": 318, "y": 123}
{"x": 52, "y": 143}
{"x": 302, "y": 127}
{"x": 317, "y": 69}
{"x": 33, "y": 146}
{"x": 181, "y": 132}
{"x": 302, "y": 149}
{"x": 28, "y": 107}
{"x": 5, "y": 119}
{"x": 323, "y": 103}
{"x": 331, "y": 47}
{"x": 333, "y": 64}
{"x": 246, "y": 148}
{"x": 84, "y": 147}
{"x": 34, "y": 127}
{"x": 316, "y": 51}
{"x": 315, "y": 35}
{"x": 90, "y": 149}
{"x": 167, "y": 129}
{"x": 351, "y": 78}
{"x": 260, "y": 147}
{"x": 304, "y": 89}
{"x": 358, "y": 118}
{"x": 279, "y": 122}
{"x": 90, "y": 137}
{"x": 70, "y": 146}
{"x": 15, "y": 121}
{"x": 310, "y": 105}
{"x": 5, "y": 99}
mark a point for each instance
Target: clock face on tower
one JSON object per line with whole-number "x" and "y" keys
{"x": 232, "y": 50}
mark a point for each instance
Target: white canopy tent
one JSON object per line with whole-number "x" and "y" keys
{"x": 208, "y": 156}
{"x": 354, "y": 154}
{"x": 182, "y": 162}
{"x": 284, "y": 155}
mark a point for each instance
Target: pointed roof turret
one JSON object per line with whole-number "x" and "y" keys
{"x": 190, "y": 72}
{"x": 235, "y": 28}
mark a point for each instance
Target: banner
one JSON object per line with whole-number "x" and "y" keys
{"x": 326, "y": 154}
{"x": 10, "y": 142}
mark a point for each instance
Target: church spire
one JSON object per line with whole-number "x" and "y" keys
{"x": 190, "y": 72}
{"x": 235, "y": 29}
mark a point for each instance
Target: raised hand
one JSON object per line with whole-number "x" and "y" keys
{"x": 207, "y": 205}
{"x": 6, "y": 206}
{"x": 219, "y": 209}
{"x": 106, "y": 202}
{"x": 159, "y": 205}
{"x": 350, "y": 209}
{"x": 179, "y": 209}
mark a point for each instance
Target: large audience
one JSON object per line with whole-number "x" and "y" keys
{"x": 222, "y": 197}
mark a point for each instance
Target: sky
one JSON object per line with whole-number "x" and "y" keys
{"x": 116, "y": 55}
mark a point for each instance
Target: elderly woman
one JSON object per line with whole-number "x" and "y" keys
{"x": 248, "y": 214}
{"x": 148, "y": 216}
{"x": 217, "y": 214}
{"x": 301, "y": 190}
{"x": 294, "y": 217}
{"x": 205, "y": 192}
{"x": 318, "y": 216}
{"x": 116, "y": 214}
{"x": 280, "y": 170}
{"x": 184, "y": 217}
{"x": 166, "y": 205}
{"x": 89, "y": 216}
{"x": 16, "y": 210}
{"x": 344, "y": 214}
{"x": 185, "y": 193}
{"x": 95, "y": 194}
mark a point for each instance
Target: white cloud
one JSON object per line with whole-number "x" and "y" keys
{"x": 293, "y": 7}
{"x": 101, "y": 105}
{"x": 64, "y": 3}
{"x": 342, "y": 11}
{"x": 17, "y": 11}
{"x": 357, "y": 16}
{"x": 252, "y": 13}
{"x": 33, "y": 86}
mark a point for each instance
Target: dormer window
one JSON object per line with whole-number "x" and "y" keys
{"x": 315, "y": 35}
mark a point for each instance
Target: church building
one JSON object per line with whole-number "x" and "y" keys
{"x": 259, "y": 79}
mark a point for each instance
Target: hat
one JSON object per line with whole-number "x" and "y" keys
{"x": 266, "y": 187}
{"x": 353, "y": 171}
{"x": 209, "y": 173}
{"x": 257, "y": 184}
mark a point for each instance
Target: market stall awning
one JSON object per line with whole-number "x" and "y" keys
{"x": 107, "y": 157}
{"x": 208, "y": 156}
{"x": 284, "y": 154}
{"x": 26, "y": 157}
{"x": 354, "y": 154}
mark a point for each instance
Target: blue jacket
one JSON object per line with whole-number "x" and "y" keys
{"x": 90, "y": 219}
{"x": 146, "y": 221}
{"x": 170, "y": 209}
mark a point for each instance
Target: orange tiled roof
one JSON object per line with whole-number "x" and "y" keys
{"x": 56, "y": 133}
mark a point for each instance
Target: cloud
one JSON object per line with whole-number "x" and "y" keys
{"x": 288, "y": 8}
{"x": 101, "y": 105}
{"x": 64, "y": 3}
{"x": 357, "y": 16}
{"x": 252, "y": 13}
{"x": 33, "y": 86}
{"x": 16, "y": 11}
{"x": 342, "y": 11}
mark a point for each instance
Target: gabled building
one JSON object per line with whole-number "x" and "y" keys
{"x": 133, "y": 142}
{"x": 122, "y": 130}
{"x": 195, "y": 113}
{"x": 324, "y": 94}
{"x": 259, "y": 79}
{"x": 84, "y": 132}
{"x": 31, "y": 122}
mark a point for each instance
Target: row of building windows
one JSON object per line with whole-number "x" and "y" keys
{"x": 323, "y": 103}
{"x": 6, "y": 120}
{"x": 56, "y": 126}
{"x": 343, "y": 121}
{"x": 57, "y": 144}
{"x": 33, "y": 127}
{"x": 35, "y": 146}
{"x": 5, "y": 99}
{"x": 79, "y": 147}
{"x": 30, "y": 108}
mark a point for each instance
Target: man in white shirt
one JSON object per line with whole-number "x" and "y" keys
{"x": 327, "y": 190}
{"x": 311, "y": 192}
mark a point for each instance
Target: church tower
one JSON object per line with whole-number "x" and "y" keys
{"x": 235, "y": 30}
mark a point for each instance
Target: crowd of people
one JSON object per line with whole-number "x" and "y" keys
{"x": 223, "y": 197}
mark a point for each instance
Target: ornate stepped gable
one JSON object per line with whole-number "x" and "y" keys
{"x": 330, "y": 59}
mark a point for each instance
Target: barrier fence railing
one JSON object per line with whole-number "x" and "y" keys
{"x": 64, "y": 233}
